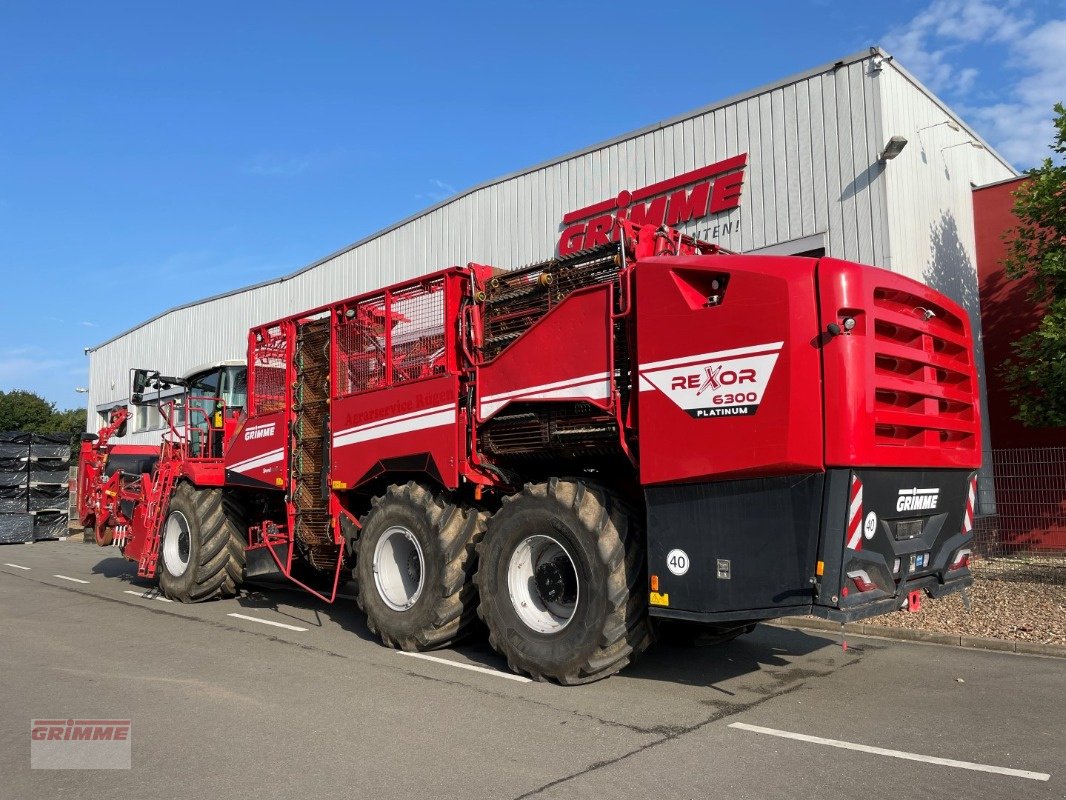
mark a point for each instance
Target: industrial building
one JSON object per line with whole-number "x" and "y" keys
{"x": 853, "y": 159}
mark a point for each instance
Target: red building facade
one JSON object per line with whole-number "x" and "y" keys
{"x": 1029, "y": 463}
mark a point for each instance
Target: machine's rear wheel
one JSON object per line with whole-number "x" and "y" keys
{"x": 561, "y": 577}
{"x": 415, "y": 559}
{"x": 201, "y": 549}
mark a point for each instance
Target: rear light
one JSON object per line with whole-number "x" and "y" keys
{"x": 862, "y": 581}
{"x": 961, "y": 560}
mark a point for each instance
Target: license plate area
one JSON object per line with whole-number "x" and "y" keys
{"x": 917, "y": 562}
{"x": 905, "y": 529}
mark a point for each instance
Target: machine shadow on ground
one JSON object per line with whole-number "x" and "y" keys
{"x": 767, "y": 649}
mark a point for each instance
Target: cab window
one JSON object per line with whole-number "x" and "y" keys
{"x": 234, "y": 391}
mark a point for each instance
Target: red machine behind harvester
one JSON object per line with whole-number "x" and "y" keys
{"x": 649, "y": 429}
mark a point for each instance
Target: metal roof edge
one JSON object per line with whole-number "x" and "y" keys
{"x": 891, "y": 60}
{"x": 1000, "y": 182}
{"x": 857, "y": 56}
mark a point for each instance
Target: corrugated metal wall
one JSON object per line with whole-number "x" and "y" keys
{"x": 812, "y": 145}
{"x": 929, "y": 187}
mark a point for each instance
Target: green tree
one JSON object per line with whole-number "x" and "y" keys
{"x": 25, "y": 411}
{"x": 1036, "y": 248}
{"x": 70, "y": 422}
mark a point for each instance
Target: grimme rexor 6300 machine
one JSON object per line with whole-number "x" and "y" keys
{"x": 574, "y": 452}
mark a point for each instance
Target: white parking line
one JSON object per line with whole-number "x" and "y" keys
{"x": 880, "y": 751}
{"x": 267, "y": 622}
{"x": 67, "y": 578}
{"x": 147, "y": 595}
{"x": 494, "y": 672}
{"x": 16, "y": 566}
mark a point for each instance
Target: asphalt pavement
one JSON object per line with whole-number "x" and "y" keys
{"x": 278, "y": 695}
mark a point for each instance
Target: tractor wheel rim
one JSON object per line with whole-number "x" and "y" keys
{"x": 543, "y": 584}
{"x": 177, "y": 544}
{"x": 399, "y": 568}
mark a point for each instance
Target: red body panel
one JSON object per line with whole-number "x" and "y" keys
{"x": 258, "y": 451}
{"x": 415, "y": 421}
{"x": 567, "y": 355}
{"x": 901, "y": 387}
{"x": 732, "y": 389}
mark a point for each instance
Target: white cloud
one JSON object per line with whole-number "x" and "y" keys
{"x": 937, "y": 41}
{"x": 440, "y": 191}
{"x": 1020, "y": 127}
{"x": 14, "y": 371}
{"x": 929, "y": 43}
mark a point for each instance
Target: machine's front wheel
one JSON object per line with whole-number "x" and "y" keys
{"x": 561, "y": 577}
{"x": 201, "y": 549}
{"x": 415, "y": 558}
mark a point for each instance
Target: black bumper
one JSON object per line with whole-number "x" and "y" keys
{"x": 930, "y": 584}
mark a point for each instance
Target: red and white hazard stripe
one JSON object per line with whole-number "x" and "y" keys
{"x": 854, "y": 539}
{"x": 971, "y": 500}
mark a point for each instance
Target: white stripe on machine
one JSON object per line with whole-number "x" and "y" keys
{"x": 593, "y": 387}
{"x": 258, "y": 461}
{"x": 715, "y": 356}
{"x": 391, "y": 426}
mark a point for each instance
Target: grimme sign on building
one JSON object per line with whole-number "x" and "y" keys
{"x": 693, "y": 196}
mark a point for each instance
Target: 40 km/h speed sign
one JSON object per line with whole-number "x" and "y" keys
{"x": 677, "y": 562}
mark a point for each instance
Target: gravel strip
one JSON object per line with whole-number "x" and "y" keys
{"x": 1011, "y": 598}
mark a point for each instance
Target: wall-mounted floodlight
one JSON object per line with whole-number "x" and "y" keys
{"x": 949, "y": 122}
{"x": 970, "y": 142}
{"x": 893, "y": 148}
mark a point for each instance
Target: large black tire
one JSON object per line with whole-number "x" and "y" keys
{"x": 214, "y": 550}
{"x": 605, "y": 544}
{"x": 445, "y": 608}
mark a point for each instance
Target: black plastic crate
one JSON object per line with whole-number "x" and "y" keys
{"x": 16, "y": 528}
{"x": 14, "y": 478}
{"x": 49, "y": 525}
{"x": 49, "y": 462}
{"x": 14, "y": 499}
{"x": 19, "y": 464}
{"x": 52, "y": 476}
{"x": 49, "y": 450}
{"x": 49, "y": 497}
{"x": 14, "y": 450}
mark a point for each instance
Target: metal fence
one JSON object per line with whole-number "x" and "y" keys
{"x": 1023, "y": 503}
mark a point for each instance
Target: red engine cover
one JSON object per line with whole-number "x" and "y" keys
{"x": 729, "y": 368}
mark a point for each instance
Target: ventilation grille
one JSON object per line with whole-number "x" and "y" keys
{"x": 923, "y": 374}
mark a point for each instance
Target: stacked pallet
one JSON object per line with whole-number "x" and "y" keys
{"x": 33, "y": 486}
{"x": 16, "y": 522}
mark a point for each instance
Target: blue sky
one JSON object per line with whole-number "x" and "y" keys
{"x": 152, "y": 154}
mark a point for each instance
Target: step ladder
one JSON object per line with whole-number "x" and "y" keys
{"x": 158, "y": 501}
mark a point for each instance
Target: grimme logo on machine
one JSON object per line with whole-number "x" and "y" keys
{"x": 701, "y": 193}
{"x": 725, "y": 384}
{"x": 917, "y": 499}
{"x": 259, "y": 431}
